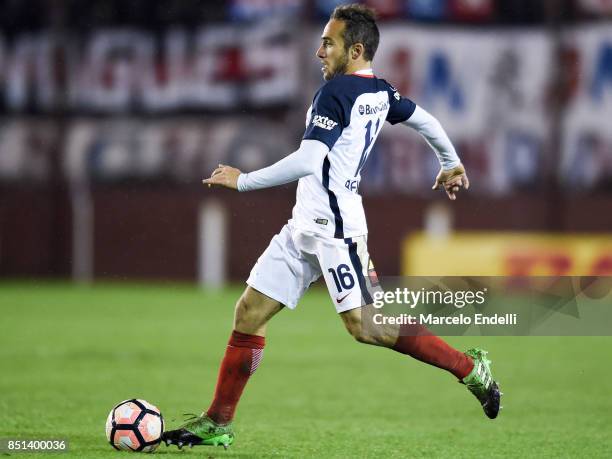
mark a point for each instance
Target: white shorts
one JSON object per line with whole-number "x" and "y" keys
{"x": 295, "y": 259}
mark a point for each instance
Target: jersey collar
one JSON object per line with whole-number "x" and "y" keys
{"x": 365, "y": 73}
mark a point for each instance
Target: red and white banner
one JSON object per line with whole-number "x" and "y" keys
{"x": 587, "y": 125}
{"x": 596, "y": 6}
{"x": 216, "y": 67}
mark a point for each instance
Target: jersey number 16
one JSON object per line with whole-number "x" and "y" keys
{"x": 342, "y": 277}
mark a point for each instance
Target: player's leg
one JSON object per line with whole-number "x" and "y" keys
{"x": 413, "y": 340}
{"x": 243, "y": 353}
{"x": 279, "y": 278}
{"x": 242, "y": 357}
{"x": 472, "y": 368}
{"x": 351, "y": 280}
{"x": 384, "y": 335}
{"x": 253, "y": 311}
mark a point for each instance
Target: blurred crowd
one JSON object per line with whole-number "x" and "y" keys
{"x": 161, "y": 91}
{"x": 112, "y": 111}
{"x": 27, "y": 15}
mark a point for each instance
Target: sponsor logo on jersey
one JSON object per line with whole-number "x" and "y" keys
{"x": 341, "y": 299}
{"x": 352, "y": 185}
{"x": 396, "y": 93}
{"x": 320, "y": 221}
{"x": 373, "y": 109}
{"x": 323, "y": 122}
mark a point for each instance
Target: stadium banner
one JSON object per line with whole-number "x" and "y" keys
{"x": 507, "y": 254}
{"x": 587, "y": 135}
{"x": 596, "y": 6}
{"x": 178, "y": 150}
{"x": 26, "y": 149}
{"x": 489, "y": 91}
{"x": 216, "y": 67}
{"x": 491, "y": 306}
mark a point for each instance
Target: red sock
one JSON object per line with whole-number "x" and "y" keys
{"x": 241, "y": 359}
{"x": 418, "y": 342}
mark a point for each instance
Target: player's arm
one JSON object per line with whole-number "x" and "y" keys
{"x": 306, "y": 160}
{"x": 452, "y": 174}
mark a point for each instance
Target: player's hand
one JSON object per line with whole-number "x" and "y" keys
{"x": 452, "y": 180}
{"x": 223, "y": 175}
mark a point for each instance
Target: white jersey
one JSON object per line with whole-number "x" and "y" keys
{"x": 347, "y": 115}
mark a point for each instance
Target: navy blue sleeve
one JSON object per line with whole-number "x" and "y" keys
{"x": 327, "y": 117}
{"x": 400, "y": 108}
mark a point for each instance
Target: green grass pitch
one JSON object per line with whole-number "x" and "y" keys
{"x": 68, "y": 354}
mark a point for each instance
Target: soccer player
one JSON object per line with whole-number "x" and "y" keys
{"x": 327, "y": 234}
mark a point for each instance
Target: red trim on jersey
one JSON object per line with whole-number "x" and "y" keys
{"x": 362, "y": 76}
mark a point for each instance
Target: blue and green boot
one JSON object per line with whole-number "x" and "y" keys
{"x": 200, "y": 430}
{"x": 480, "y": 382}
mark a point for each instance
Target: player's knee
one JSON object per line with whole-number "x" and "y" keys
{"x": 360, "y": 335}
{"x": 368, "y": 338}
{"x": 245, "y": 313}
{"x": 365, "y": 338}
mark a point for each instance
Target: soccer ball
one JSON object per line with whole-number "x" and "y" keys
{"x": 134, "y": 425}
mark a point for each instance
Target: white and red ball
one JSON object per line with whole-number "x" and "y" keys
{"x": 134, "y": 425}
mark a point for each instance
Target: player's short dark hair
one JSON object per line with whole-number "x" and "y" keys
{"x": 360, "y": 27}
